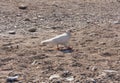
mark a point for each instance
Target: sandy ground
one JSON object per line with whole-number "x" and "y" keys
{"x": 95, "y": 57}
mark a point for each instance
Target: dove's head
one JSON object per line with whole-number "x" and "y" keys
{"x": 69, "y": 31}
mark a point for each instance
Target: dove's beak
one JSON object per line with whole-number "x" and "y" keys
{"x": 69, "y": 30}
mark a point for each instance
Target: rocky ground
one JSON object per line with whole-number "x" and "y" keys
{"x": 95, "y": 57}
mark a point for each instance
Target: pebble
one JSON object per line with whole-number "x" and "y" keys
{"x": 34, "y": 62}
{"x": 54, "y": 76}
{"x": 66, "y": 74}
{"x": 32, "y": 30}
{"x": 12, "y": 79}
{"x": 35, "y": 18}
{"x": 102, "y": 75}
{"x": 18, "y": 14}
{"x": 56, "y": 27}
{"x": 110, "y": 71}
{"x": 22, "y": 6}
{"x": 102, "y": 43}
{"x": 89, "y": 80}
{"x": 89, "y": 21}
{"x": 77, "y": 81}
{"x": 106, "y": 54}
{"x": 56, "y": 81}
{"x": 94, "y": 68}
{"x": 26, "y": 19}
{"x": 12, "y": 32}
{"x": 116, "y": 22}
{"x": 71, "y": 78}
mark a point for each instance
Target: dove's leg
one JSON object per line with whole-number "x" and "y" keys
{"x": 58, "y": 47}
{"x": 67, "y": 46}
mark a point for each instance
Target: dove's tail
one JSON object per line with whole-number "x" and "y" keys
{"x": 46, "y": 41}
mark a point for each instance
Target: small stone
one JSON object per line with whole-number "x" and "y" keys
{"x": 56, "y": 81}
{"x": 22, "y": 6}
{"x": 12, "y": 79}
{"x": 71, "y": 78}
{"x": 88, "y": 21}
{"x": 26, "y": 19}
{"x": 77, "y": 81}
{"x": 17, "y": 46}
{"x": 54, "y": 76}
{"x": 89, "y": 80}
{"x": 56, "y": 27}
{"x": 115, "y": 22}
{"x": 102, "y": 43}
{"x": 110, "y": 71}
{"x": 66, "y": 74}
{"x": 87, "y": 67}
{"x": 102, "y": 75}
{"x": 35, "y": 18}
{"x": 94, "y": 68}
{"x": 12, "y": 32}
{"x": 106, "y": 54}
{"x": 18, "y": 15}
{"x": 34, "y": 62}
{"x": 32, "y": 30}
{"x": 15, "y": 26}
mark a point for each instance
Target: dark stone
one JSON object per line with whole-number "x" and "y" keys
{"x": 66, "y": 74}
{"x": 32, "y": 30}
{"x": 26, "y": 19}
{"x": 11, "y": 79}
{"x": 106, "y": 54}
{"x": 12, "y": 32}
{"x": 22, "y": 6}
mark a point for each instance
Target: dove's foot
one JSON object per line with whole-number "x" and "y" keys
{"x": 69, "y": 48}
{"x": 62, "y": 48}
{"x": 58, "y": 48}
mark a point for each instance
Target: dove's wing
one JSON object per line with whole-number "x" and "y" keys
{"x": 61, "y": 39}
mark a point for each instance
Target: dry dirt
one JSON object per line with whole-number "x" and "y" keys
{"x": 95, "y": 40}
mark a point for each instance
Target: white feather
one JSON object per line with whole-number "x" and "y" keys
{"x": 59, "y": 39}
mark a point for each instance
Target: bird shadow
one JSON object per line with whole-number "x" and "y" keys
{"x": 66, "y": 50}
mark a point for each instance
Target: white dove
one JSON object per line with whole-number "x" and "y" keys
{"x": 61, "y": 39}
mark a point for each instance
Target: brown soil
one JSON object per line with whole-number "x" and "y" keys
{"x": 95, "y": 40}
